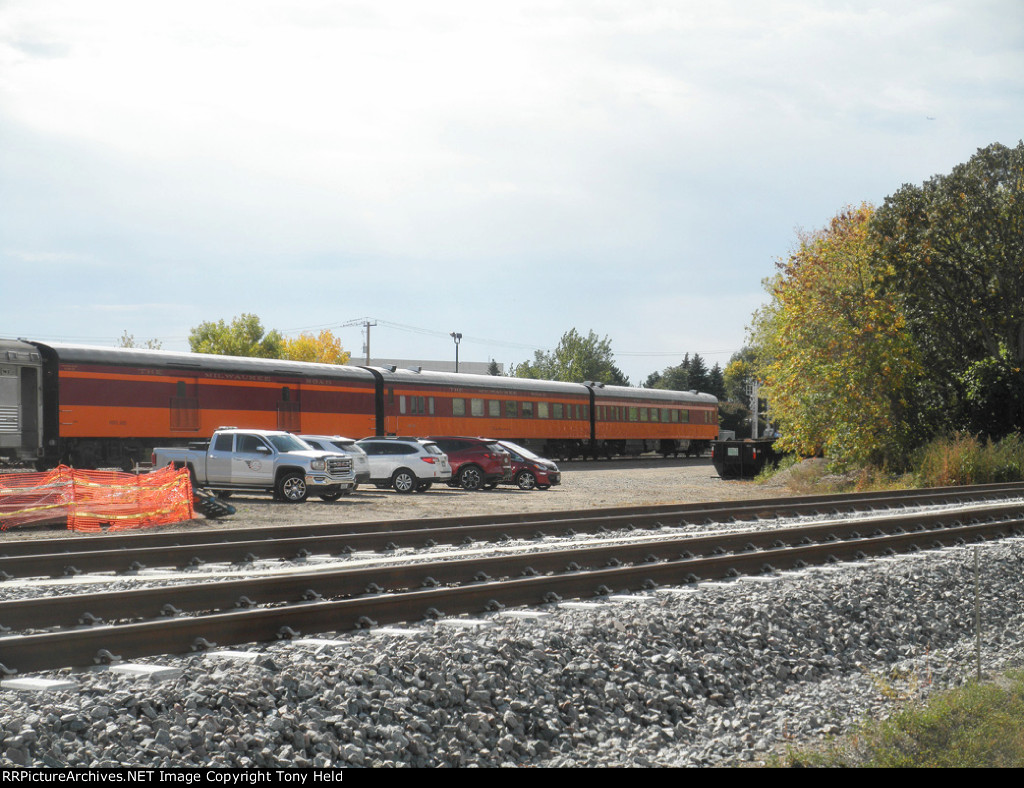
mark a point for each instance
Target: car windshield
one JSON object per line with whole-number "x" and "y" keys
{"x": 521, "y": 450}
{"x": 288, "y": 443}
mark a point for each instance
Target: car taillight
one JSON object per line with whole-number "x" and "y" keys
{"x": 428, "y": 459}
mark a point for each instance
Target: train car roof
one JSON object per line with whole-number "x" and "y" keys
{"x": 242, "y": 365}
{"x": 17, "y": 350}
{"x": 657, "y": 395}
{"x": 495, "y": 383}
{"x": 169, "y": 359}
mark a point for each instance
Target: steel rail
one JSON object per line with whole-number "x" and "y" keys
{"x": 45, "y": 612}
{"x": 181, "y": 635}
{"x": 750, "y": 509}
{"x": 142, "y": 555}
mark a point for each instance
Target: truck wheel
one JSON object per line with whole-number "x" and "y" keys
{"x": 331, "y": 495}
{"x": 292, "y": 488}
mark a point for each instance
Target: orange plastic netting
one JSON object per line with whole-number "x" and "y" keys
{"x": 96, "y": 500}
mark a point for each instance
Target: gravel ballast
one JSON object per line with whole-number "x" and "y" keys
{"x": 717, "y": 675}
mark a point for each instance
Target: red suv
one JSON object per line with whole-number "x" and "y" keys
{"x": 477, "y": 463}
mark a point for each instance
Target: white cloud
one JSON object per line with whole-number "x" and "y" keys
{"x": 565, "y": 156}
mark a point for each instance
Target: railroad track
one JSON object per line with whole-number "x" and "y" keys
{"x": 182, "y": 618}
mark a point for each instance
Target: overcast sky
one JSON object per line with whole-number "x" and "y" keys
{"x": 505, "y": 170}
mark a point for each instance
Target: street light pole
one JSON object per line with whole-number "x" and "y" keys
{"x": 457, "y": 338}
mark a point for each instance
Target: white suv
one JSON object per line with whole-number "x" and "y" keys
{"x": 336, "y": 444}
{"x": 407, "y": 464}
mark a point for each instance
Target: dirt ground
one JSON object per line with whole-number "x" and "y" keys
{"x": 585, "y": 485}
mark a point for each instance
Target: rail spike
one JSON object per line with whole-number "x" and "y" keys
{"x": 104, "y": 657}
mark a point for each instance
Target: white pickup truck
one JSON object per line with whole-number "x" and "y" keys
{"x": 265, "y": 460}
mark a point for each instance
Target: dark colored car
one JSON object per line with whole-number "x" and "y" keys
{"x": 477, "y": 463}
{"x": 530, "y": 470}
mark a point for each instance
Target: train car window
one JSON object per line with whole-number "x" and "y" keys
{"x": 510, "y": 409}
{"x": 458, "y": 407}
{"x": 586, "y": 412}
{"x": 417, "y": 405}
{"x": 430, "y": 405}
{"x": 182, "y": 391}
{"x": 527, "y": 410}
{"x": 643, "y": 414}
{"x": 286, "y": 394}
{"x": 542, "y": 410}
{"x": 684, "y": 416}
{"x": 634, "y": 414}
{"x": 401, "y": 405}
{"x": 556, "y": 410}
{"x": 223, "y": 442}
{"x": 654, "y": 414}
{"x": 494, "y": 408}
{"x": 476, "y": 407}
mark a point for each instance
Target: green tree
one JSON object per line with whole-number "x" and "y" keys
{"x": 716, "y": 382}
{"x": 833, "y": 355}
{"x": 951, "y": 251}
{"x": 576, "y": 359}
{"x": 739, "y": 374}
{"x": 245, "y": 336}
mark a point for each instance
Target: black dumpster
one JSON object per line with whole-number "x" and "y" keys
{"x": 742, "y": 459}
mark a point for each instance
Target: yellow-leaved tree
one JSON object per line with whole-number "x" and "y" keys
{"x": 324, "y": 348}
{"x": 835, "y": 362}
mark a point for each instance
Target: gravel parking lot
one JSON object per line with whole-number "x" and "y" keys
{"x": 585, "y": 485}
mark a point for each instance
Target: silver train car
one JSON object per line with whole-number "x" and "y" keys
{"x": 21, "y": 402}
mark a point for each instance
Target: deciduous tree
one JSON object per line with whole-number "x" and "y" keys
{"x": 951, "y": 251}
{"x": 834, "y": 357}
{"x": 576, "y": 359}
{"x": 325, "y": 348}
{"x": 245, "y": 336}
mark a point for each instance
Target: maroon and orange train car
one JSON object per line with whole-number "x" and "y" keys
{"x": 107, "y": 407}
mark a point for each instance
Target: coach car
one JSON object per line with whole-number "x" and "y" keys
{"x": 107, "y": 407}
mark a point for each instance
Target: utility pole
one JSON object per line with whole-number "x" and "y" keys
{"x": 753, "y": 388}
{"x": 367, "y": 325}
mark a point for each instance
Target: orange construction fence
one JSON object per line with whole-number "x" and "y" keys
{"x": 96, "y": 500}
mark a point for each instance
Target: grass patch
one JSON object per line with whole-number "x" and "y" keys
{"x": 976, "y": 726}
{"x": 944, "y": 462}
{"x": 965, "y": 459}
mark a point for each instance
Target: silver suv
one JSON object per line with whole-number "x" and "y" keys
{"x": 337, "y": 443}
{"x": 407, "y": 464}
